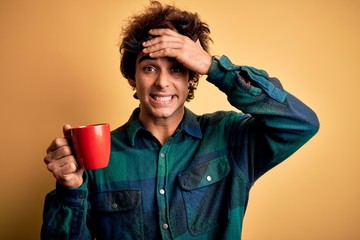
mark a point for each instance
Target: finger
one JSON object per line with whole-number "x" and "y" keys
{"x": 166, "y": 52}
{"x": 74, "y": 180}
{"x": 161, "y": 41}
{"x": 57, "y": 154}
{"x": 66, "y": 129}
{"x": 163, "y": 34}
{"x": 163, "y": 46}
{"x": 63, "y": 166}
{"x": 57, "y": 143}
{"x": 163, "y": 31}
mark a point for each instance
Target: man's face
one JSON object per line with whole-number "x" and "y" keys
{"x": 161, "y": 86}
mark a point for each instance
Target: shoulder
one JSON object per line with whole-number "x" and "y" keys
{"x": 222, "y": 116}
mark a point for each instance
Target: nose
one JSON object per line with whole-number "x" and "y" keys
{"x": 163, "y": 79}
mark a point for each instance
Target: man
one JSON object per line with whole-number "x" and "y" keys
{"x": 173, "y": 174}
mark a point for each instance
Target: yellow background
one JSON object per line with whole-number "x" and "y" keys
{"x": 59, "y": 64}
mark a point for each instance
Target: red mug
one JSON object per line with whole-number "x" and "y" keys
{"x": 91, "y": 145}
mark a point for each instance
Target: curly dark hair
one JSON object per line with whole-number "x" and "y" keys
{"x": 159, "y": 16}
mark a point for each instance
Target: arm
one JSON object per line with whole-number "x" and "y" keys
{"x": 65, "y": 214}
{"x": 65, "y": 209}
{"x": 279, "y": 122}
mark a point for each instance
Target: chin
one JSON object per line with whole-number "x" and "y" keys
{"x": 168, "y": 113}
{"x": 162, "y": 114}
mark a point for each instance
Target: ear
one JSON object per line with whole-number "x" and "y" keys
{"x": 132, "y": 83}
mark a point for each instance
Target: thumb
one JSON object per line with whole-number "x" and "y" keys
{"x": 66, "y": 129}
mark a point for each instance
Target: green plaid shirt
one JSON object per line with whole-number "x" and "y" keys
{"x": 196, "y": 185}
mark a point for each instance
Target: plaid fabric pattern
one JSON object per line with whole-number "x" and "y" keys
{"x": 196, "y": 185}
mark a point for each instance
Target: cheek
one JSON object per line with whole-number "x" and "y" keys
{"x": 184, "y": 88}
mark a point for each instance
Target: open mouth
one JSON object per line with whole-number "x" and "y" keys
{"x": 162, "y": 98}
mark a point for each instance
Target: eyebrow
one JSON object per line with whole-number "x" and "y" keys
{"x": 147, "y": 57}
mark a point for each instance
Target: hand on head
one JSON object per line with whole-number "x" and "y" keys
{"x": 169, "y": 43}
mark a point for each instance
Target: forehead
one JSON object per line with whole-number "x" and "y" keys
{"x": 142, "y": 57}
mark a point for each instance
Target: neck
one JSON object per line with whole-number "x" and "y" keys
{"x": 161, "y": 128}
{"x": 162, "y": 133}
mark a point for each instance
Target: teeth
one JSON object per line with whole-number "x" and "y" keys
{"x": 163, "y": 99}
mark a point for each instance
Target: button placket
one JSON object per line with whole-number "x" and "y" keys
{"x": 161, "y": 189}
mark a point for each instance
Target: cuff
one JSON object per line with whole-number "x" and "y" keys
{"x": 222, "y": 72}
{"x": 72, "y": 196}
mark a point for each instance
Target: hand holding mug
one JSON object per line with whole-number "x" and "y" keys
{"x": 91, "y": 146}
{"x": 61, "y": 162}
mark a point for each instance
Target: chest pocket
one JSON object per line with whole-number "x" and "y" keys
{"x": 118, "y": 214}
{"x": 205, "y": 193}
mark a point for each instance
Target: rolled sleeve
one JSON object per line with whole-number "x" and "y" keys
{"x": 222, "y": 72}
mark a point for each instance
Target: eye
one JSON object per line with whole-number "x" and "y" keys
{"x": 149, "y": 68}
{"x": 178, "y": 69}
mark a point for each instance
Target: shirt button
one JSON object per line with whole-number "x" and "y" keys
{"x": 165, "y": 226}
{"x": 209, "y": 178}
{"x": 114, "y": 205}
{"x": 162, "y": 155}
{"x": 162, "y": 191}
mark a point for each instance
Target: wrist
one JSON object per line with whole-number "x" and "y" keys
{"x": 214, "y": 64}
{"x": 207, "y": 64}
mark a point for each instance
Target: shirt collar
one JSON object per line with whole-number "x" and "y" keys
{"x": 189, "y": 124}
